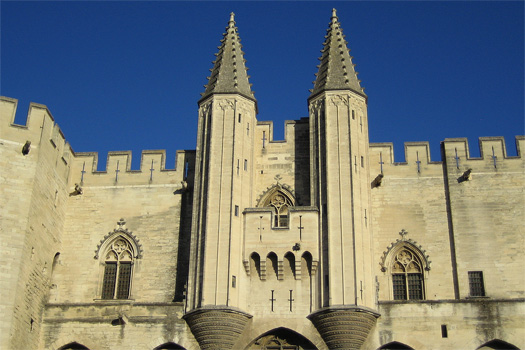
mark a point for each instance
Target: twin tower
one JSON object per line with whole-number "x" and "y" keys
{"x": 281, "y": 233}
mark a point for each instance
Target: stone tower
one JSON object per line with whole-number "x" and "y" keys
{"x": 223, "y": 182}
{"x": 340, "y": 188}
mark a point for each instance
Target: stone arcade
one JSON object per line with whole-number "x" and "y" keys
{"x": 320, "y": 241}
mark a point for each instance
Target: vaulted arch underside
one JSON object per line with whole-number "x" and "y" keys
{"x": 281, "y": 339}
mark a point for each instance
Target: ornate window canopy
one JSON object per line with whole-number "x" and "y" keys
{"x": 112, "y": 238}
{"x": 278, "y": 197}
{"x": 400, "y": 245}
{"x": 285, "y": 191}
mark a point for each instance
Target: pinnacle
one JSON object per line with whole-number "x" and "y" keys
{"x": 336, "y": 70}
{"x": 229, "y": 73}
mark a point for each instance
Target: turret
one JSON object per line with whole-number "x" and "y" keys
{"x": 340, "y": 188}
{"x": 223, "y": 178}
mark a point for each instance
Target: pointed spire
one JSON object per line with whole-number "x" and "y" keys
{"x": 336, "y": 71}
{"x": 229, "y": 73}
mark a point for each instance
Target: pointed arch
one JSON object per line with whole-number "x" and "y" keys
{"x": 118, "y": 252}
{"x": 169, "y": 346}
{"x": 497, "y": 344}
{"x": 281, "y": 338}
{"x": 289, "y": 265}
{"x": 280, "y": 199}
{"x": 306, "y": 263}
{"x": 398, "y": 245}
{"x": 255, "y": 264}
{"x": 395, "y": 346}
{"x": 73, "y": 346}
{"x": 272, "y": 264}
{"x": 286, "y": 190}
{"x": 124, "y": 233}
{"x": 406, "y": 266}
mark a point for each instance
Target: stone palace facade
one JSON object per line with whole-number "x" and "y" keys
{"x": 320, "y": 241}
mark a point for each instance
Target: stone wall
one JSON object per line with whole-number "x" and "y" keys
{"x": 34, "y": 192}
{"x": 449, "y": 324}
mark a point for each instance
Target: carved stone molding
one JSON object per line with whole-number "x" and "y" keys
{"x": 344, "y": 327}
{"x": 121, "y": 230}
{"x": 316, "y": 106}
{"x": 338, "y": 100}
{"x": 405, "y": 242}
{"x": 226, "y": 104}
{"x": 205, "y": 109}
{"x": 287, "y": 190}
{"x": 217, "y": 327}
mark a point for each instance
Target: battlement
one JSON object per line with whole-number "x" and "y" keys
{"x": 45, "y": 135}
{"x": 265, "y": 129}
{"x": 118, "y": 168}
{"x": 40, "y": 136}
{"x": 488, "y": 147}
{"x": 454, "y": 151}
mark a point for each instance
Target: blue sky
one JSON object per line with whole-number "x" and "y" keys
{"x": 128, "y": 75}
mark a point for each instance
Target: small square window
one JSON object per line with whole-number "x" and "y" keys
{"x": 475, "y": 280}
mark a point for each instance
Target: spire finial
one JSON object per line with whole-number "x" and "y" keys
{"x": 334, "y": 14}
{"x": 232, "y": 17}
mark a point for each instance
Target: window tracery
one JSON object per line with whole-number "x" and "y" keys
{"x": 407, "y": 276}
{"x": 118, "y": 263}
{"x": 280, "y": 204}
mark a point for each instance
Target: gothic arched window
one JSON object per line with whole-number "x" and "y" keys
{"x": 407, "y": 275}
{"x": 118, "y": 263}
{"x": 280, "y": 199}
{"x": 280, "y": 204}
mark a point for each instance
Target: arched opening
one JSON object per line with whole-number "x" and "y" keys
{"x": 280, "y": 339}
{"x": 280, "y": 200}
{"x": 497, "y": 344}
{"x": 271, "y": 265}
{"x": 306, "y": 263}
{"x": 407, "y": 275}
{"x": 395, "y": 346}
{"x": 73, "y": 346}
{"x": 255, "y": 265}
{"x": 118, "y": 262}
{"x": 169, "y": 346}
{"x": 289, "y": 266}
{"x": 56, "y": 259}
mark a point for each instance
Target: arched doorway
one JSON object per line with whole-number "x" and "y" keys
{"x": 73, "y": 346}
{"x": 281, "y": 339}
{"x": 169, "y": 346}
{"x": 497, "y": 344}
{"x": 395, "y": 346}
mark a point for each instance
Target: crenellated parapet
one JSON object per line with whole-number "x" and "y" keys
{"x": 118, "y": 170}
{"x": 455, "y": 153}
{"x": 264, "y": 134}
{"x": 417, "y": 160}
{"x": 40, "y": 137}
{"x": 493, "y": 155}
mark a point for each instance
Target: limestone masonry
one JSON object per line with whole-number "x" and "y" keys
{"x": 320, "y": 241}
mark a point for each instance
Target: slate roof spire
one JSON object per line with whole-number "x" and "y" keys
{"x": 336, "y": 70}
{"x": 229, "y": 73}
